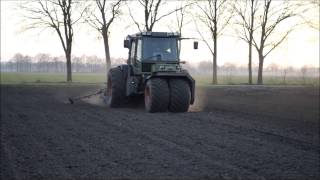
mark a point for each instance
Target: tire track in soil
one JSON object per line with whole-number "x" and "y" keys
{"x": 165, "y": 142}
{"x": 55, "y": 129}
{"x": 39, "y": 152}
{"x": 71, "y": 139}
{"x": 121, "y": 129}
{"x": 271, "y": 137}
{"x": 253, "y": 155}
{"x": 276, "y": 144}
{"x": 90, "y": 124}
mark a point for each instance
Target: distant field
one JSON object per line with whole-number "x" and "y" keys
{"x": 268, "y": 80}
{"x": 16, "y": 78}
{"x": 21, "y": 78}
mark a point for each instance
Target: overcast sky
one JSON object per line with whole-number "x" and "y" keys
{"x": 301, "y": 48}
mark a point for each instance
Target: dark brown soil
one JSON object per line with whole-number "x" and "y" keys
{"x": 232, "y": 132}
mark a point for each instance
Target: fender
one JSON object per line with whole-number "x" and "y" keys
{"x": 124, "y": 68}
{"x": 182, "y": 75}
{"x": 131, "y": 81}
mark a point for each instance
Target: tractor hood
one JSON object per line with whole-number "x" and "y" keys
{"x": 159, "y": 67}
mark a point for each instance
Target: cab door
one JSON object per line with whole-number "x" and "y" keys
{"x": 132, "y": 57}
{"x": 136, "y": 55}
{"x": 138, "y": 58}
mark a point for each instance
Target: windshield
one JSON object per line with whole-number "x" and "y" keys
{"x": 159, "y": 49}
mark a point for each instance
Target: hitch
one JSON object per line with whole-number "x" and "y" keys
{"x": 72, "y": 100}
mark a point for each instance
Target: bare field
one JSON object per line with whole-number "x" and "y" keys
{"x": 232, "y": 132}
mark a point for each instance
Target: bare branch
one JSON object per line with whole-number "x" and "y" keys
{"x": 133, "y": 19}
{"x": 203, "y": 38}
{"x": 151, "y": 9}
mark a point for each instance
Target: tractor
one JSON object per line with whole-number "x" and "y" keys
{"x": 153, "y": 70}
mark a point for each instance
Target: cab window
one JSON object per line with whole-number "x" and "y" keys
{"x": 139, "y": 50}
{"x": 132, "y": 52}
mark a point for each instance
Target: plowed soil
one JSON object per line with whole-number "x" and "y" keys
{"x": 233, "y": 132}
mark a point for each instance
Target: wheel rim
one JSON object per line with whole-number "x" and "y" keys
{"x": 109, "y": 88}
{"x": 147, "y": 96}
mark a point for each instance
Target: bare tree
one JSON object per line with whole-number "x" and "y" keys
{"x": 273, "y": 68}
{"x": 180, "y": 18}
{"x": 57, "y": 15}
{"x": 108, "y": 11}
{"x": 42, "y": 61}
{"x": 286, "y": 71}
{"x": 274, "y": 13}
{"x": 246, "y": 11}
{"x": 312, "y": 17}
{"x": 304, "y": 71}
{"x": 215, "y": 15}
{"x": 55, "y": 61}
{"x": 17, "y": 59}
{"x": 151, "y": 13}
{"x": 180, "y": 15}
{"x": 204, "y": 67}
{"x": 28, "y": 63}
{"x": 229, "y": 69}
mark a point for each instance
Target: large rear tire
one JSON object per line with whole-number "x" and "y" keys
{"x": 180, "y": 95}
{"x": 156, "y": 95}
{"x": 116, "y": 88}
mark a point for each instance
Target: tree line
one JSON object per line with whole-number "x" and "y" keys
{"x": 45, "y": 63}
{"x": 259, "y": 23}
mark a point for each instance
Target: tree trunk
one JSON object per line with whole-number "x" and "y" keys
{"x": 250, "y": 63}
{"x": 260, "y": 70}
{"x": 250, "y": 42}
{"x": 214, "y": 69}
{"x": 69, "y": 72}
{"x": 215, "y": 46}
{"x": 106, "y": 49}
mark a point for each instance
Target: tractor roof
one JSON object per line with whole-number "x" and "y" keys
{"x": 154, "y": 34}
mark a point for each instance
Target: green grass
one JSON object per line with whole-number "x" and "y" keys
{"x": 18, "y": 78}
{"x": 267, "y": 80}
{"x": 99, "y": 78}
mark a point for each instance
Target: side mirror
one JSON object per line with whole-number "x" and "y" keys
{"x": 126, "y": 43}
{"x": 195, "y": 45}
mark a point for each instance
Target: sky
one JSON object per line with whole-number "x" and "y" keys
{"x": 301, "y": 48}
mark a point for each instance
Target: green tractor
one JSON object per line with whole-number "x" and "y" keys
{"x": 153, "y": 70}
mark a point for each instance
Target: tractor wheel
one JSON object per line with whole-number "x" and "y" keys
{"x": 115, "y": 93}
{"x": 179, "y": 95}
{"x": 156, "y": 95}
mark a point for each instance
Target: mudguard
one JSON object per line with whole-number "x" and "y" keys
{"x": 182, "y": 75}
{"x": 132, "y": 82}
{"x": 125, "y": 69}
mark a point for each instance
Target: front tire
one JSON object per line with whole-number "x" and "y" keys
{"x": 156, "y": 95}
{"x": 116, "y": 84}
{"x": 180, "y": 95}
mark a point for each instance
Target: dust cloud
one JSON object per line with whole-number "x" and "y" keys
{"x": 200, "y": 101}
{"x": 96, "y": 100}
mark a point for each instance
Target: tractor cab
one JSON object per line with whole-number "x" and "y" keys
{"x": 154, "y": 52}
